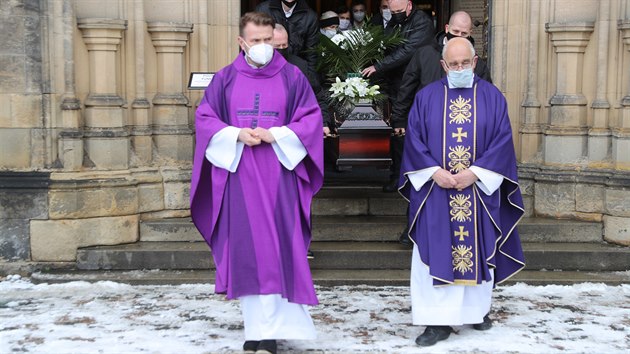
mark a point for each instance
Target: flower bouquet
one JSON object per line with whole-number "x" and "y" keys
{"x": 342, "y": 58}
{"x": 354, "y": 50}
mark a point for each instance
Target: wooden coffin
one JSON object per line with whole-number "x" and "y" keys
{"x": 364, "y": 139}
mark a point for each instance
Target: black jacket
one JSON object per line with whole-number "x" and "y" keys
{"x": 417, "y": 30}
{"x": 423, "y": 69}
{"x": 320, "y": 93}
{"x": 302, "y": 26}
{"x": 377, "y": 19}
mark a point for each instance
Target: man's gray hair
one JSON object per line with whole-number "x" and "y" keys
{"x": 279, "y": 27}
{"x": 470, "y": 46}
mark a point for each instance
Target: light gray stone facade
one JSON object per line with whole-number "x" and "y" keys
{"x": 96, "y": 123}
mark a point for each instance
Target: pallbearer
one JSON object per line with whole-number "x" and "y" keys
{"x": 258, "y": 162}
{"x": 459, "y": 175}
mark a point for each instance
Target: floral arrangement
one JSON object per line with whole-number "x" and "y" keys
{"x": 354, "y": 50}
{"x": 354, "y": 89}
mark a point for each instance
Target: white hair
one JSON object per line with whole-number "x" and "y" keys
{"x": 280, "y": 28}
{"x": 470, "y": 46}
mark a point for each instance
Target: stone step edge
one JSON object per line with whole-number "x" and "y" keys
{"x": 358, "y": 246}
{"x": 321, "y": 277}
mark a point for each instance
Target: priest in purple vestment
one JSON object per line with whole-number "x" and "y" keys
{"x": 459, "y": 175}
{"x": 258, "y": 162}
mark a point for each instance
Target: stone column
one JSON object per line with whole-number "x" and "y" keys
{"x": 621, "y": 134}
{"x": 107, "y": 140}
{"x": 70, "y": 139}
{"x": 567, "y": 121}
{"x": 599, "y": 132}
{"x": 172, "y": 133}
{"x": 530, "y": 130}
{"x": 141, "y": 140}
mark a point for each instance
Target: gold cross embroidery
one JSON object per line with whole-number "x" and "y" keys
{"x": 461, "y": 233}
{"x": 459, "y": 135}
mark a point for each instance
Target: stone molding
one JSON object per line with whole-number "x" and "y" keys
{"x": 169, "y": 37}
{"x": 624, "y": 27}
{"x": 570, "y": 37}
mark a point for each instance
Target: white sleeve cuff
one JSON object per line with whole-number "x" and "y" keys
{"x": 288, "y": 147}
{"x": 224, "y": 150}
{"x": 488, "y": 181}
{"x": 419, "y": 178}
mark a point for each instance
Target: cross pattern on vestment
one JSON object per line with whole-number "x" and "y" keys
{"x": 461, "y": 233}
{"x": 255, "y": 112}
{"x": 459, "y": 135}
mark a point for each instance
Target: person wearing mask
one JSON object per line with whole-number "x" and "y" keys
{"x": 300, "y": 22}
{"x": 344, "y": 18}
{"x": 329, "y": 24}
{"x": 423, "y": 69}
{"x": 384, "y": 15}
{"x": 417, "y": 29}
{"x": 258, "y": 163}
{"x": 358, "y": 14}
{"x": 459, "y": 175}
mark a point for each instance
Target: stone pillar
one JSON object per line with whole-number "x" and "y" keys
{"x": 599, "y": 132}
{"x": 621, "y": 134}
{"x": 141, "y": 140}
{"x": 530, "y": 130}
{"x": 567, "y": 121}
{"x": 107, "y": 140}
{"x": 70, "y": 139}
{"x": 172, "y": 132}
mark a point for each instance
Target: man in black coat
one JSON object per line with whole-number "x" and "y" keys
{"x": 281, "y": 43}
{"x": 417, "y": 29}
{"x": 301, "y": 23}
{"x": 423, "y": 69}
{"x": 383, "y": 16}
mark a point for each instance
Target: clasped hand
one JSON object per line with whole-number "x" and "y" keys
{"x": 252, "y": 137}
{"x": 461, "y": 180}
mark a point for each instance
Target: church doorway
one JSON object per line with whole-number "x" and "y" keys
{"x": 439, "y": 10}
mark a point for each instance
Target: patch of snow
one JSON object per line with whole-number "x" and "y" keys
{"x": 110, "y": 317}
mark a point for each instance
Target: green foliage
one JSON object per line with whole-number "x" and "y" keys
{"x": 354, "y": 50}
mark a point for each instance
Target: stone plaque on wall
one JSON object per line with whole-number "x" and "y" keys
{"x": 477, "y": 10}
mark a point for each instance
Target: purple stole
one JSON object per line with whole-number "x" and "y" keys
{"x": 459, "y": 153}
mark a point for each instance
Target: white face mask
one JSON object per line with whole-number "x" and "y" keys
{"x": 387, "y": 14}
{"x": 260, "y": 54}
{"x": 328, "y": 32}
{"x": 358, "y": 16}
{"x": 344, "y": 24}
{"x": 460, "y": 79}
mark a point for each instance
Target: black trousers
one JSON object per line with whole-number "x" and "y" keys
{"x": 396, "y": 146}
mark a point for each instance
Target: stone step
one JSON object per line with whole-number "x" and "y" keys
{"x": 383, "y": 228}
{"x": 146, "y": 255}
{"x": 360, "y": 200}
{"x": 345, "y": 255}
{"x": 320, "y": 277}
{"x": 550, "y": 256}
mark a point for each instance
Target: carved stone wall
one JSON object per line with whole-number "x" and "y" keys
{"x": 563, "y": 67}
{"x": 96, "y": 123}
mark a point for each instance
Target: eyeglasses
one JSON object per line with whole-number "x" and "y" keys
{"x": 466, "y": 64}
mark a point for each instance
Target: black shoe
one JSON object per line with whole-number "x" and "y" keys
{"x": 309, "y": 254}
{"x": 267, "y": 347}
{"x": 404, "y": 239}
{"x": 485, "y": 325}
{"x": 391, "y": 186}
{"x": 433, "y": 334}
{"x": 250, "y": 346}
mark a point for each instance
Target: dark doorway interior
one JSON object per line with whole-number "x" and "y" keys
{"x": 439, "y": 10}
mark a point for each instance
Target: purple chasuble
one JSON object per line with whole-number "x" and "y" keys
{"x": 461, "y": 234}
{"x": 257, "y": 219}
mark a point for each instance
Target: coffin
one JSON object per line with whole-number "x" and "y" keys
{"x": 363, "y": 139}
